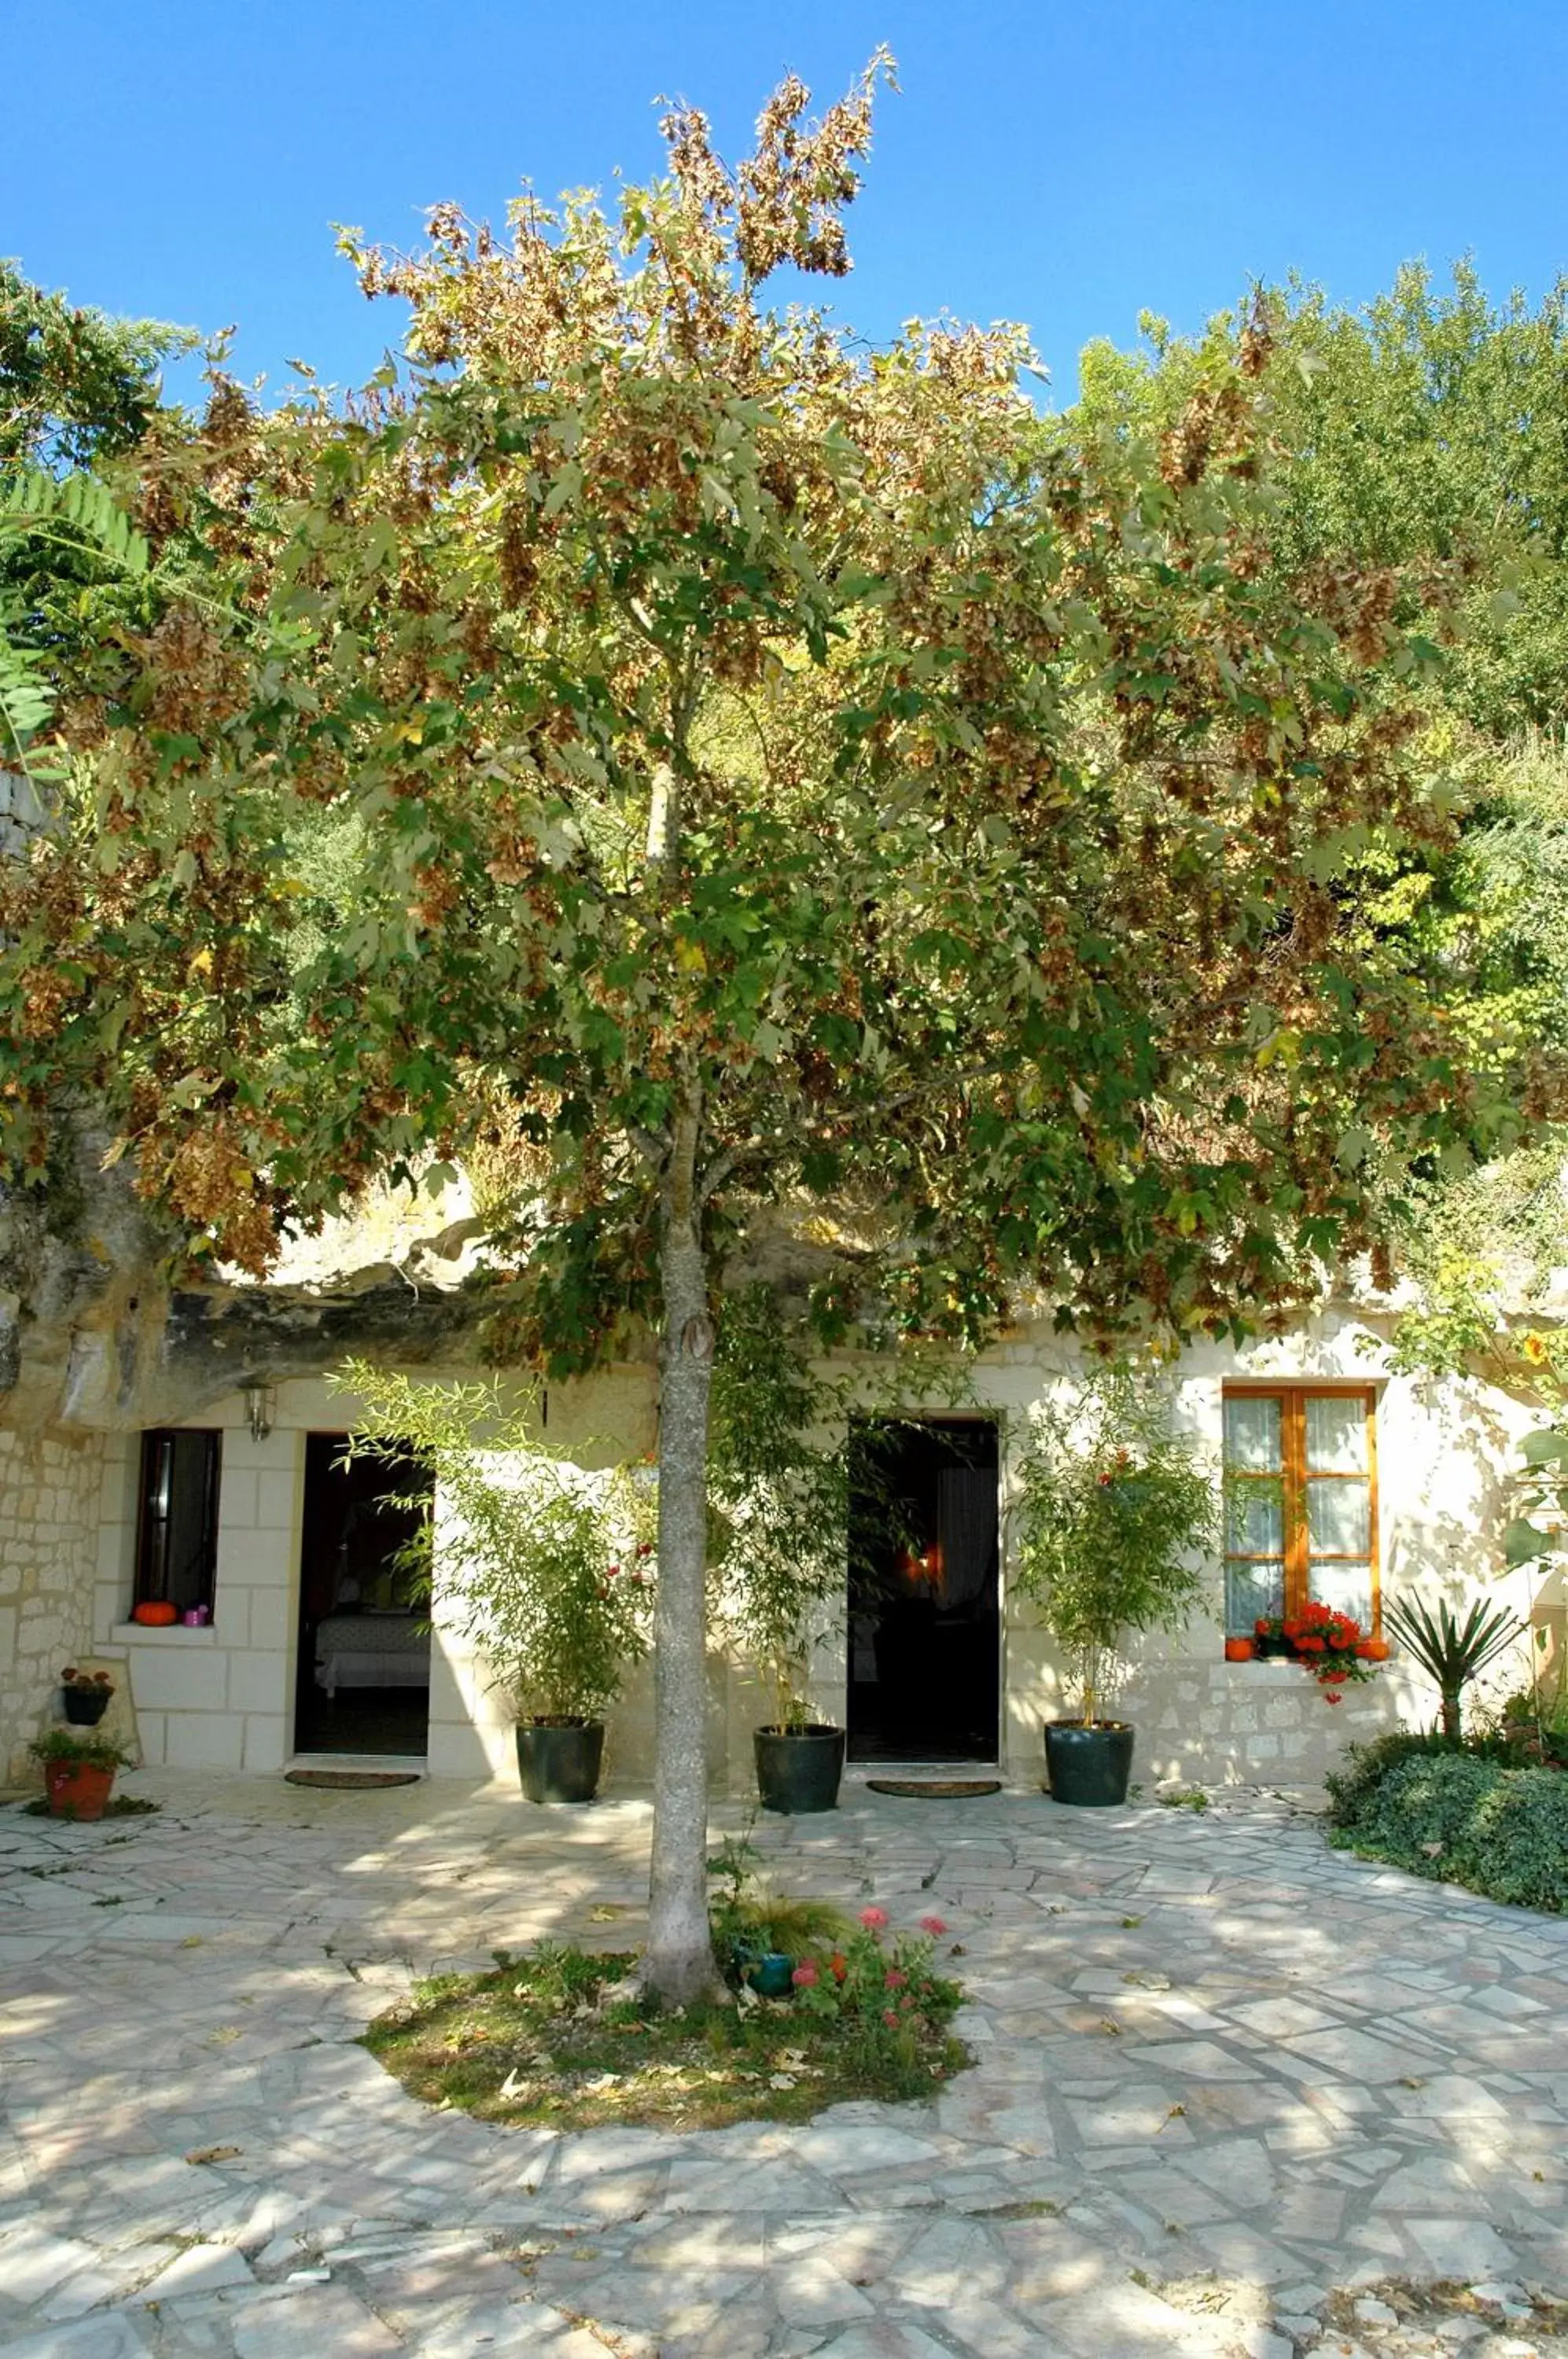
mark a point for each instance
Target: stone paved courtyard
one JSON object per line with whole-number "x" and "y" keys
{"x": 1220, "y": 2071}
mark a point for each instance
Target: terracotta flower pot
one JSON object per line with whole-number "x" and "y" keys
{"x": 76, "y": 1789}
{"x": 1238, "y": 1650}
{"x": 1373, "y": 1650}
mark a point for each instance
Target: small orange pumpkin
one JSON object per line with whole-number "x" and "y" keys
{"x": 155, "y": 1613}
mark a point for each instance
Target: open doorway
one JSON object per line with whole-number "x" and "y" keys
{"x": 924, "y": 1628}
{"x": 363, "y": 1679}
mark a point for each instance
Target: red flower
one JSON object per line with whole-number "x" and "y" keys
{"x": 805, "y": 1975}
{"x": 874, "y": 1919}
{"x": 934, "y": 1926}
{"x": 893, "y": 1979}
{"x": 890, "y": 2018}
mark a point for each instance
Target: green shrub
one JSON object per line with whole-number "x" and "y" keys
{"x": 1365, "y": 1766}
{"x": 1422, "y": 1806}
{"x": 87, "y": 1746}
{"x": 1455, "y": 1813}
{"x": 1515, "y": 1846}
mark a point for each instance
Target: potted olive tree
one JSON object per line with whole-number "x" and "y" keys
{"x": 1110, "y": 1509}
{"x": 778, "y": 1493}
{"x": 546, "y": 1565}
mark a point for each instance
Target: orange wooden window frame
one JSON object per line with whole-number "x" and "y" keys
{"x": 1293, "y": 1399}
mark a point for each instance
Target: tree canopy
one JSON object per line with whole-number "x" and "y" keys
{"x": 750, "y": 785}
{"x": 77, "y": 390}
{"x": 1425, "y": 434}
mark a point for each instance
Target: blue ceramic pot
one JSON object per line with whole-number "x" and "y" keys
{"x": 770, "y": 1977}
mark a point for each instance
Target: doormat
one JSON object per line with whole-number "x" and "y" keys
{"x": 349, "y": 1780}
{"x": 938, "y": 1789}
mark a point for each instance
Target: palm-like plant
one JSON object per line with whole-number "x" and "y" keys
{"x": 1453, "y": 1653}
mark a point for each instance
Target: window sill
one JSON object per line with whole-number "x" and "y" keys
{"x": 159, "y": 1634}
{"x": 1271, "y": 1667}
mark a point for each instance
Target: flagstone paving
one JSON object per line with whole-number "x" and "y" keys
{"x": 1220, "y": 2071}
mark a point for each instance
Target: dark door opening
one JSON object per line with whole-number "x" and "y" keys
{"x": 924, "y": 1634}
{"x": 363, "y": 1680}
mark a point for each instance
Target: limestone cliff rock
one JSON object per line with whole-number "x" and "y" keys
{"x": 94, "y": 1334}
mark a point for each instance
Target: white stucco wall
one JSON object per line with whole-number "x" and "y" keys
{"x": 1444, "y": 1455}
{"x": 223, "y": 1697}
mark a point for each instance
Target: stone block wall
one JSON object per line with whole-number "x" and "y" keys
{"x": 50, "y": 1488}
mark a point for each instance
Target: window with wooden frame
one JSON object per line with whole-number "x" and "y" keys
{"x": 176, "y": 1524}
{"x": 1301, "y": 1521}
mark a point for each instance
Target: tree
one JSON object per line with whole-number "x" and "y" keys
{"x": 1425, "y": 436}
{"x": 781, "y": 799}
{"x": 77, "y": 391}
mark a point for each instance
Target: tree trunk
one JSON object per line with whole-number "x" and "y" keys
{"x": 1451, "y": 1714}
{"x": 679, "y": 1962}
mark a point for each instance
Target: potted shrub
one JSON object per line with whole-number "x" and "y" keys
{"x": 779, "y": 1512}
{"x": 79, "y": 1771}
{"x": 548, "y": 1565}
{"x": 1111, "y": 1507}
{"x": 86, "y": 1695}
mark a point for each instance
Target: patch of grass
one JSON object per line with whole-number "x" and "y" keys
{"x": 1185, "y": 1798}
{"x": 564, "y": 2039}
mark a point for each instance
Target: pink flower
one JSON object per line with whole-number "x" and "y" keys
{"x": 874, "y": 1919}
{"x": 933, "y": 1926}
{"x": 804, "y": 1976}
{"x": 893, "y": 1979}
{"x": 890, "y": 2018}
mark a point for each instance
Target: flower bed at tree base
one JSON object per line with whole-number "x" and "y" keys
{"x": 1456, "y": 1813}
{"x": 547, "y": 2040}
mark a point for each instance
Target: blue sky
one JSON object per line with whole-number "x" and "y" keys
{"x": 1066, "y": 165}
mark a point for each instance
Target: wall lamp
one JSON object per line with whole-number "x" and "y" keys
{"x": 261, "y": 1409}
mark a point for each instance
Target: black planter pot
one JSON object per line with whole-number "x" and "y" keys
{"x": 798, "y": 1769}
{"x": 85, "y": 1707}
{"x": 558, "y": 1760}
{"x": 1089, "y": 1766}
